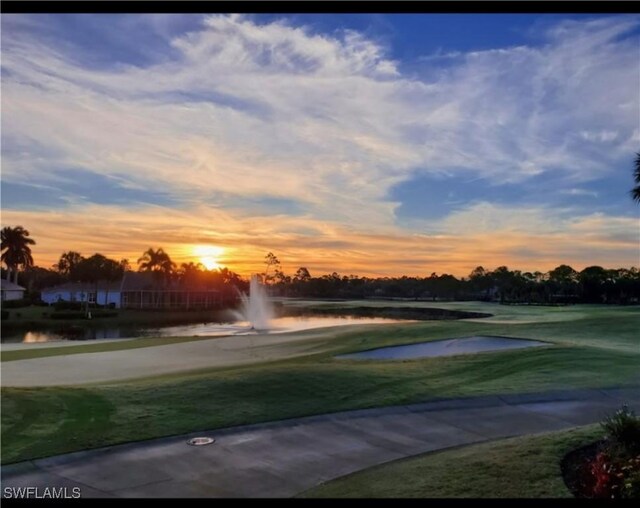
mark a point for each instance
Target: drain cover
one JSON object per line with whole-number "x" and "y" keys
{"x": 200, "y": 441}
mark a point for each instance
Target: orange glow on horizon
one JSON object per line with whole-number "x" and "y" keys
{"x": 210, "y": 263}
{"x": 208, "y": 256}
{"x": 241, "y": 244}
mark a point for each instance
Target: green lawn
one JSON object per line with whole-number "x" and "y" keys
{"x": 522, "y": 467}
{"x": 595, "y": 347}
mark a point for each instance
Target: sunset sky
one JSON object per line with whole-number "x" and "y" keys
{"x": 363, "y": 144}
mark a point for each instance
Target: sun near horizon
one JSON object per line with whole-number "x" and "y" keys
{"x": 208, "y": 256}
{"x": 347, "y": 151}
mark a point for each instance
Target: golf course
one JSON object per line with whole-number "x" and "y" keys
{"x": 244, "y": 380}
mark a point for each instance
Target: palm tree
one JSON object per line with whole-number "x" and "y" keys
{"x": 68, "y": 262}
{"x": 635, "y": 192}
{"x": 157, "y": 262}
{"x": 190, "y": 272}
{"x": 15, "y": 250}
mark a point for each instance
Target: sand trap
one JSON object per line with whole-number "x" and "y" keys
{"x": 450, "y": 347}
{"x": 118, "y": 365}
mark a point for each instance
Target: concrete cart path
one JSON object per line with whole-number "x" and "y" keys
{"x": 285, "y": 458}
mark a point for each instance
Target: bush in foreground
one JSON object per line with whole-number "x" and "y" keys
{"x": 623, "y": 428}
{"x": 610, "y": 468}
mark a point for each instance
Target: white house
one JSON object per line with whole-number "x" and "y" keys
{"x": 134, "y": 291}
{"x": 103, "y": 293}
{"x": 10, "y": 291}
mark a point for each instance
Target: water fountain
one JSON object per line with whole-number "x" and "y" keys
{"x": 256, "y": 307}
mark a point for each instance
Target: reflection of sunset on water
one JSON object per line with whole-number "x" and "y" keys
{"x": 37, "y": 337}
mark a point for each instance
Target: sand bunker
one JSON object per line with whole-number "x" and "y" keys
{"x": 450, "y": 347}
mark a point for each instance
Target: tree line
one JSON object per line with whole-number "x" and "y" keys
{"x": 92, "y": 270}
{"x": 563, "y": 284}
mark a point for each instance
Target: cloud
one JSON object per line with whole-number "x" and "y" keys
{"x": 530, "y": 239}
{"x": 580, "y": 192}
{"x": 324, "y": 122}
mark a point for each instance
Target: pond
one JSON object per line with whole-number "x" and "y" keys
{"x": 213, "y": 329}
{"x": 449, "y": 347}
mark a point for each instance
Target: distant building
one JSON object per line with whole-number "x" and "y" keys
{"x": 142, "y": 290}
{"x": 10, "y": 291}
{"x": 103, "y": 293}
{"x": 136, "y": 290}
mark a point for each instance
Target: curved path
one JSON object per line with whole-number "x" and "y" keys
{"x": 282, "y": 459}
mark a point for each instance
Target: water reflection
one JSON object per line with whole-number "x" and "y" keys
{"x": 279, "y": 325}
{"x": 39, "y": 337}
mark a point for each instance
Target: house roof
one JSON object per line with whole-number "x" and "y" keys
{"x": 6, "y": 285}
{"x": 137, "y": 281}
{"x": 131, "y": 281}
{"x": 73, "y": 287}
{"x": 145, "y": 281}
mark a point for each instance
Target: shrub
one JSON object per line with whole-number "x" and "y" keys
{"x": 605, "y": 481}
{"x": 623, "y": 427}
{"x": 80, "y": 314}
{"x": 69, "y": 314}
{"x": 607, "y": 477}
{"x": 95, "y": 314}
{"x": 16, "y": 304}
{"x": 34, "y": 298}
{"x": 631, "y": 479}
{"x": 63, "y": 305}
{"x": 610, "y": 468}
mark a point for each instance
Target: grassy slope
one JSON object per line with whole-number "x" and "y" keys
{"x": 41, "y": 422}
{"x": 527, "y": 466}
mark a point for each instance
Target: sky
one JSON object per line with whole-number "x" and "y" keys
{"x": 365, "y": 144}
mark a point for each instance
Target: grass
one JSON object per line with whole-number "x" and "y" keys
{"x": 522, "y": 467}
{"x": 595, "y": 350}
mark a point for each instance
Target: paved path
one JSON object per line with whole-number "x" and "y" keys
{"x": 282, "y": 459}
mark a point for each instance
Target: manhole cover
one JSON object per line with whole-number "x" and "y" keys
{"x": 200, "y": 441}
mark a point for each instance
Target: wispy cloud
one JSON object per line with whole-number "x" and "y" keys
{"x": 580, "y": 192}
{"x": 530, "y": 239}
{"x": 239, "y": 110}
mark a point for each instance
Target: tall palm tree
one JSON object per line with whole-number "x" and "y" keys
{"x": 159, "y": 263}
{"x": 635, "y": 192}
{"x": 15, "y": 250}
